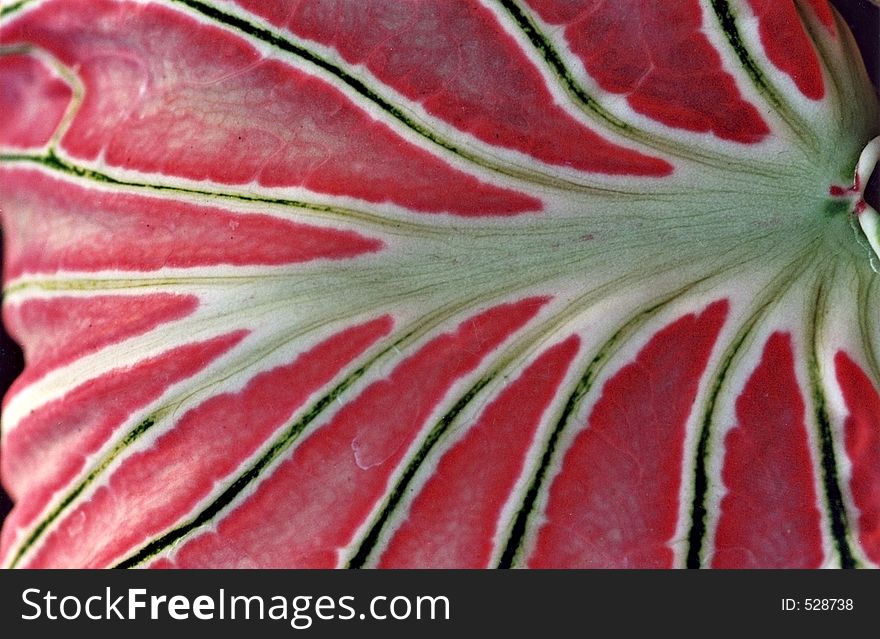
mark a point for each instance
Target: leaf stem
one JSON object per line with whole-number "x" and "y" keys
{"x": 868, "y": 218}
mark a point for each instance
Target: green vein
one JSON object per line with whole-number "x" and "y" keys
{"x": 831, "y": 483}
{"x": 519, "y": 527}
{"x": 69, "y": 498}
{"x": 775, "y": 291}
{"x": 53, "y": 162}
{"x": 361, "y": 88}
{"x": 397, "y": 493}
{"x": 727, "y": 21}
{"x": 553, "y": 59}
{"x": 254, "y": 471}
{"x": 652, "y": 140}
{"x": 128, "y": 439}
{"x": 286, "y": 440}
{"x": 697, "y": 531}
{"x": 12, "y": 8}
{"x": 869, "y": 288}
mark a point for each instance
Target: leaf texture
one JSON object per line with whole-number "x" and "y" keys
{"x": 513, "y": 283}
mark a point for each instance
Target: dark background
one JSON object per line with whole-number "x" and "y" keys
{"x": 863, "y": 19}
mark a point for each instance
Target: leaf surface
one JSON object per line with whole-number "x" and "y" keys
{"x": 462, "y": 284}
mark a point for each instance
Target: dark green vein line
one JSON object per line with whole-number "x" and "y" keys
{"x": 518, "y": 530}
{"x": 372, "y": 537}
{"x": 520, "y": 523}
{"x": 552, "y": 58}
{"x": 55, "y": 163}
{"x": 651, "y": 140}
{"x": 267, "y": 36}
{"x": 52, "y": 161}
{"x": 833, "y": 494}
{"x": 275, "y": 40}
{"x": 254, "y": 472}
{"x": 697, "y": 532}
{"x": 361, "y": 88}
{"x": 727, "y": 20}
{"x": 12, "y": 8}
{"x": 136, "y": 433}
{"x": 701, "y": 477}
{"x": 68, "y": 499}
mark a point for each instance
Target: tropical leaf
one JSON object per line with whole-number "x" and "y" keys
{"x": 504, "y": 283}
